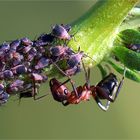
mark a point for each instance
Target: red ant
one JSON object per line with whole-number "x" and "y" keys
{"x": 108, "y": 89}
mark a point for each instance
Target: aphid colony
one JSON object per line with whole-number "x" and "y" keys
{"x": 23, "y": 61}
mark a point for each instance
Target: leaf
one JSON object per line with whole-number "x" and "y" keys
{"x": 130, "y": 74}
{"x": 130, "y": 36}
{"x": 128, "y": 57}
{"x": 102, "y": 70}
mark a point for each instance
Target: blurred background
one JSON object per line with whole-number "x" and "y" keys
{"x": 46, "y": 118}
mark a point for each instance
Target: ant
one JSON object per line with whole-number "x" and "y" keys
{"x": 108, "y": 89}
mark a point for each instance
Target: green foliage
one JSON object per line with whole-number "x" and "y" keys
{"x": 130, "y": 74}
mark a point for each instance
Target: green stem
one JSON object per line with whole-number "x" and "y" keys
{"x": 96, "y": 30}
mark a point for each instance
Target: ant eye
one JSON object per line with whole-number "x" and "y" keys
{"x": 65, "y": 91}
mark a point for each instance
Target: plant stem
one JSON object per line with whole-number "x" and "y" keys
{"x": 96, "y": 30}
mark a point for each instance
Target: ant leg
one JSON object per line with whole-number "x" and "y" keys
{"x": 120, "y": 85}
{"x": 104, "y": 108}
{"x": 72, "y": 83}
{"x": 65, "y": 103}
{"x": 87, "y": 74}
{"x": 35, "y": 91}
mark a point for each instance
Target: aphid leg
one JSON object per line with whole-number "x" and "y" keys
{"x": 120, "y": 84}
{"x": 72, "y": 82}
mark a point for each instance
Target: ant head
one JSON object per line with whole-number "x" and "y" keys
{"x": 58, "y": 90}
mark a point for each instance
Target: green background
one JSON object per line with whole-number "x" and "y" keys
{"x": 46, "y": 118}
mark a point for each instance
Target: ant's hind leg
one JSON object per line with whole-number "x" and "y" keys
{"x": 104, "y": 108}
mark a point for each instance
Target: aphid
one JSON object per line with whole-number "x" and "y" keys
{"x": 15, "y": 86}
{"x": 73, "y": 71}
{"x": 31, "y": 54}
{"x": 60, "y": 50}
{"x": 108, "y": 89}
{"x": 5, "y": 47}
{"x": 26, "y": 49}
{"x": 19, "y": 69}
{"x": 7, "y": 74}
{"x": 32, "y": 89}
{"x": 134, "y": 47}
{"x": 27, "y": 42}
{"x": 2, "y": 66}
{"x": 44, "y": 39}
{"x": 67, "y": 27}
{"x": 75, "y": 59}
{"x": 3, "y": 97}
{"x": 14, "y": 45}
{"x": 14, "y": 58}
{"x": 60, "y": 32}
{"x": 38, "y": 77}
{"x": 42, "y": 63}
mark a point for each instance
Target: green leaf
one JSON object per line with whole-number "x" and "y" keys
{"x": 129, "y": 58}
{"x": 130, "y": 74}
{"x": 96, "y": 30}
{"x": 102, "y": 70}
{"x": 130, "y": 36}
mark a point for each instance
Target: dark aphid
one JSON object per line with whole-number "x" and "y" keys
{"x": 5, "y": 47}
{"x": 4, "y": 96}
{"x": 27, "y": 42}
{"x": 14, "y": 56}
{"x": 26, "y": 49}
{"x": 60, "y": 32}
{"x": 2, "y": 66}
{"x": 44, "y": 39}
{"x": 40, "y": 49}
{"x": 42, "y": 63}
{"x": 38, "y": 77}
{"x": 7, "y": 74}
{"x": 67, "y": 27}
{"x": 31, "y": 54}
{"x": 19, "y": 69}
{"x": 58, "y": 50}
{"x": 14, "y": 44}
{"x": 134, "y": 47}
{"x": 1, "y": 88}
{"x": 75, "y": 59}
{"x": 15, "y": 86}
{"x": 73, "y": 71}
